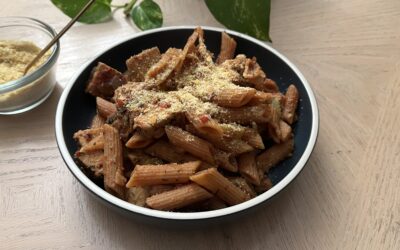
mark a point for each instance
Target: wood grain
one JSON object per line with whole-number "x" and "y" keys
{"x": 347, "y": 197}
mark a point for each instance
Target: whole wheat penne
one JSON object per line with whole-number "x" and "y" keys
{"x": 226, "y": 160}
{"x": 137, "y": 195}
{"x": 228, "y": 47}
{"x": 234, "y": 97}
{"x": 245, "y": 115}
{"x": 169, "y": 153}
{"x": 274, "y": 155}
{"x": 265, "y": 185}
{"x": 291, "y": 100}
{"x": 158, "y": 189}
{"x": 105, "y": 108}
{"x": 189, "y": 48}
{"x": 178, "y": 198}
{"x": 286, "y": 131}
{"x": 146, "y": 175}
{"x": 261, "y": 97}
{"x": 232, "y": 145}
{"x": 138, "y": 140}
{"x": 253, "y": 138}
{"x": 114, "y": 179}
{"x": 205, "y": 124}
{"x": 215, "y": 203}
{"x": 98, "y": 121}
{"x": 192, "y": 144}
{"x": 248, "y": 167}
{"x": 267, "y": 85}
{"x": 96, "y": 144}
{"x": 219, "y": 185}
{"x": 253, "y": 72}
{"x": 243, "y": 185}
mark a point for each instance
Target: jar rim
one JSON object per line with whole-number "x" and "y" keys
{"x": 45, "y": 67}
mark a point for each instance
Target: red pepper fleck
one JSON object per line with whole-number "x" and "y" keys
{"x": 204, "y": 118}
{"x": 164, "y": 105}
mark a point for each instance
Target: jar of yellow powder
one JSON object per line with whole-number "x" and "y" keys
{"x": 21, "y": 39}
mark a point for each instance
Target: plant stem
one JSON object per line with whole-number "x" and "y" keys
{"x": 128, "y": 7}
{"x": 118, "y": 6}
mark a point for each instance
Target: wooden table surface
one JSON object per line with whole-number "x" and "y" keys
{"x": 347, "y": 197}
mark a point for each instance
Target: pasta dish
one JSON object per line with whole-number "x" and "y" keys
{"x": 180, "y": 131}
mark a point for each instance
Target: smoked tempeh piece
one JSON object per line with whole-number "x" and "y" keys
{"x": 162, "y": 70}
{"x": 105, "y": 108}
{"x": 137, "y": 195}
{"x": 93, "y": 161}
{"x": 104, "y": 80}
{"x": 219, "y": 185}
{"x": 228, "y": 47}
{"x": 139, "y": 64}
{"x": 289, "y": 109}
{"x": 178, "y": 198}
{"x": 274, "y": 155}
{"x": 114, "y": 179}
{"x": 146, "y": 175}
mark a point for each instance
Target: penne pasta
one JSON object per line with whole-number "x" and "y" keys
{"x": 95, "y": 144}
{"x": 170, "y": 153}
{"x": 264, "y": 186}
{"x": 97, "y": 122}
{"x": 274, "y": 155}
{"x": 217, "y": 184}
{"x": 138, "y": 140}
{"x": 253, "y": 138}
{"x": 245, "y": 115}
{"x": 289, "y": 109}
{"x": 244, "y": 186}
{"x": 158, "y": 189}
{"x": 105, "y": 108}
{"x": 146, "y": 175}
{"x": 205, "y": 124}
{"x": 248, "y": 168}
{"x": 190, "y": 143}
{"x": 178, "y": 198}
{"x": 233, "y": 98}
{"x": 234, "y": 146}
{"x": 228, "y": 47}
{"x": 114, "y": 179}
{"x": 226, "y": 160}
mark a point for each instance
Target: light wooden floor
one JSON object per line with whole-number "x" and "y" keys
{"x": 347, "y": 197}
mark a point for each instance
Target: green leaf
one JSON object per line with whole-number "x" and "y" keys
{"x": 247, "y": 16}
{"x": 147, "y": 15}
{"x": 100, "y": 11}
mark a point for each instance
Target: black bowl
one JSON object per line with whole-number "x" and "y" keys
{"x": 76, "y": 109}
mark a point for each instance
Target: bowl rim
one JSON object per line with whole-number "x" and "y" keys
{"x": 91, "y": 186}
{"x": 45, "y": 67}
